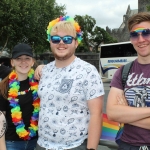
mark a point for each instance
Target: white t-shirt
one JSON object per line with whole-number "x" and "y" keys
{"x": 64, "y": 114}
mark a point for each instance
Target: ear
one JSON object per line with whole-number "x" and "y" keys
{"x": 33, "y": 61}
{"x": 12, "y": 63}
{"x": 50, "y": 43}
{"x": 76, "y": 44}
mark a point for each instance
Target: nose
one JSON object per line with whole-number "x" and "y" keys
{"x": 23, "y": 60}
{"x": 140, "y": 37}
{"x": 61, "y": 42}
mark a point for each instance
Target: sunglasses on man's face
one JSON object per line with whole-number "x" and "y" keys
{"x": 66, "y": 39}
{"x": 144, "y": 33}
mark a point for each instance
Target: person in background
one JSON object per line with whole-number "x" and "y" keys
{"x": 19, "y": 102}
{"x": 5, "y": 66}
{"x": 39, "y": 61}
{"x": 131, "y": 105}
{"x": 71, "y": 93}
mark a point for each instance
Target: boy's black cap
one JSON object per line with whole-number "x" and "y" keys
{"x": 21, "y": 49}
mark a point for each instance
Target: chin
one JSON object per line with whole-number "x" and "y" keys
{"x": 144, "y": 55}
{"x": 64, "y": 56}
{"x": 61, "y": 57}
{"x": 24, "y": 71}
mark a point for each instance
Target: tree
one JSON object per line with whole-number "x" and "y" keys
{"x": 87, "y": 24}
{"x": 148, "y": 8}
{"x": 100, "y": 36}
{"x": 92, "y": 36}
{"x": 26, "y": 21}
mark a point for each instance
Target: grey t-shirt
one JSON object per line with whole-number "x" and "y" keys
{"x": 137, "y": 93}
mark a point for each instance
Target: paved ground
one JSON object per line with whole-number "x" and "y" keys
{"x": 103, "y": 148}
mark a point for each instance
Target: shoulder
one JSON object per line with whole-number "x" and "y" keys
{"x": 49, "y": 65}
{"x": 117, "y": 80}
{"x": 84, "y": 64}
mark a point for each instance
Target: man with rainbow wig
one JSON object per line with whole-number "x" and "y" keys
{"x": 71, "y": 93}
{"x": 131, "y": 104}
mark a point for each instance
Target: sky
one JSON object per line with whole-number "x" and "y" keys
{"x": 105, "y": 12}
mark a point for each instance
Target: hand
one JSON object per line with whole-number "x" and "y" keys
{"x": 121, "y": 100}
{"x": 38, "y": 72}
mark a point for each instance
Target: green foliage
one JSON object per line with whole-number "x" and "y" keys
{"x": 87, "y": 24}
{"x": 82, "y": 47}
{"x": 148, "y": 8}
{"x": 92, "y": 36}
{"x": 26, "y": 21}
{"x": 101, "y": 36}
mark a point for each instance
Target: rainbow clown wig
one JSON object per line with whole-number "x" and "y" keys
{"x": 67, "y": 19}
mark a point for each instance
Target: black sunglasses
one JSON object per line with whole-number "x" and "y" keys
{"x": 66, "y": 39}
{"x": 144, "y": 33}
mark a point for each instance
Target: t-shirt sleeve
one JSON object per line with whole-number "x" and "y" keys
{"x": 94, "y": 84}
{"x": 3, "y": 103}
{"x": 117, "y": 80}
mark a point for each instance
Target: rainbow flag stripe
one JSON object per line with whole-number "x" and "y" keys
{"x": 109, "y": 129}
{"x": 139, "y": 29}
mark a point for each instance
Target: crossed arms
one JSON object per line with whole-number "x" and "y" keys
{"x": 118, "y": 110}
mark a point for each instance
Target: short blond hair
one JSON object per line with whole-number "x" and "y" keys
{"x": 66, "y": 26}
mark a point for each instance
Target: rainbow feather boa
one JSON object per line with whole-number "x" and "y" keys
{"x": 16, "y": 113}
{"x": 65, "y": 18}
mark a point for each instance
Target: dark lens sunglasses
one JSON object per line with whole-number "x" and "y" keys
{"x": 66, "y": 39}
{"x": 144, "y": 33}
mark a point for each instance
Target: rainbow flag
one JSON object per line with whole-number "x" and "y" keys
{"x": 109, "y": 129}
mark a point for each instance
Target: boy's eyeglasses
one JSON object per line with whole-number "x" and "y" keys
{"x": 144, "y": 33}
{"x": 66, "y": 39}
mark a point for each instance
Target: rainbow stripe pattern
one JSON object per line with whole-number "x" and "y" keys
{"x": 109, "y": 129}
{"x": 140, "y": 29}
{"x": 65, "y": 18}
{"x": 16, "y": 113}
{"x": 118, "y": 136}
